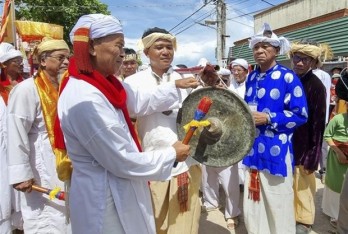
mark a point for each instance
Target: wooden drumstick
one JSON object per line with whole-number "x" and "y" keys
{"x": 60, "y": 195}
{"x": 201, "y": 111}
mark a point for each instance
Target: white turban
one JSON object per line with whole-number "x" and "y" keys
{"x": 224, "y": 72}
{"x": 99, "y": 25}
{"x": 240, "y": 62}
{"x": 203, "y": 62}
{"x": 89, "y": 27}
{"x": 273, "y": 39}
{"x": 8, "y": 51}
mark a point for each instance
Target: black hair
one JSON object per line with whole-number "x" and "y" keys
{"x": 181, "y": 65}
{"x": 129, "y": 51}
{"x": 154, "y": 30}
{"x": 308, "y": 41}
{"x": 341, "y": 87}
{"x": 338, "y": 68}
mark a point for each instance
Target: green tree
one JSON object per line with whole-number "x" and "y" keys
{"x": 61, "y": 12}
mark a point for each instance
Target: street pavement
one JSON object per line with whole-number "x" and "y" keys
{"x": 213, "y": 222}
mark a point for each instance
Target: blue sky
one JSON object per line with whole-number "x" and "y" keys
{"x": 194, "y": 40}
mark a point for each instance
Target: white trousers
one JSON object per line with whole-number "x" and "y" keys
{"x": 274, "y": 213}
{"x": 229, "y": 179}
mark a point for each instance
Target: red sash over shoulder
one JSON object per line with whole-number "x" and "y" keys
{"x": 109, "y": 86}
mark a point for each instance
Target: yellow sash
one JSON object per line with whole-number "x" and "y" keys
{"x": 49, "y": 99}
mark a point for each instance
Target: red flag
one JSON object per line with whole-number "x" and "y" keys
{"x": 7, "y": 24}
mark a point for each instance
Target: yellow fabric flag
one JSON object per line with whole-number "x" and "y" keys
{"x": 7, "y": 23}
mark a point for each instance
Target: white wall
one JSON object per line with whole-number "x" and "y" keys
{"x": 295, "y": 11}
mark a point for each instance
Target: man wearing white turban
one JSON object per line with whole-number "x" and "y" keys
{"x": 278, "y": 104}
{"x": 109, "y": 187}
{"x": 11, "y": 62}
{"x": 31, "y": 153}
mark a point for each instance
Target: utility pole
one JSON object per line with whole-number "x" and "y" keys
{"x": 221, "y": 32}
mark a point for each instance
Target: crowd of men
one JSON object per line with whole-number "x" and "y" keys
{"x": 92, "y": 124}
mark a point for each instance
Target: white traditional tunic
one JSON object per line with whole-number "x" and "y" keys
{"x": 106, "y": 159}
{"x": 237, "y": 88}
{"x": 326, "y": 80}
{"x": 149, "y": 126}
{"x": 158, "y": 131}
{"x": 5, "y": 188}
{"x": 30, "y": 156}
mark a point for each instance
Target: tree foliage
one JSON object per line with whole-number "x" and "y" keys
{"x": 61, "y": 12}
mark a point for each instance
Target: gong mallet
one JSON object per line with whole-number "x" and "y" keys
{"x": 60, "y": 195}
{"x": 200, "y": 112}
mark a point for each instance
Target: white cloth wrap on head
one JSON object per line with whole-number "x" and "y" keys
{"x": 274, "y": 40}
{"x": 240, "y": 62}
{"x": 8, "y": 51}
{"x": 148, "y": 41}
{"x": 203, "y": 62}
{"x": 224, "y": 72}
{"x": 99, "y": 25}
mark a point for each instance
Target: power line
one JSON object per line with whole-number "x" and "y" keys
{"x": 199, "y": 18}
{"x": 191, "y": 25}
{"x": 190, "y": 15}
{"x": 268, "y": 3}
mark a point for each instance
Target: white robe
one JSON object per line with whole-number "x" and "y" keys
{"x": 105, "y": 156}
{"x": 326, "y": 80}
{"x": 30, "y": 155}
{"x": 237, "y": 88}
{"x": 5, "y": 188}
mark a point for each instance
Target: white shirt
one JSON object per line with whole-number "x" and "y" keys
{"x": 152, "y": 128}
{"x": 104, "y": 155}
{"x": 5, "y": 188}
{"x": 238, "y": 88}
{"x": 30, "y": 155}
{"x": 326, "y": 80}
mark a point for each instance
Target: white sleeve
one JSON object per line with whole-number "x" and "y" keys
{"x": 104, "y": 133}
{"x": 22, "y": 109}
{"x": 145, "y": 101}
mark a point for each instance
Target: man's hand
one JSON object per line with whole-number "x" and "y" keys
{"x": 260, "y": 118}
{"x": 182, "y": 151}
{"x": 24, "y": 186}
{"x": 185, "y": 83}
{"x": 341, "y": 157}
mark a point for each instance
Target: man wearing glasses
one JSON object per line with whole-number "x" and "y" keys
{"x": 278, "y": 104}
{"x": 31, "y": 152}
{"x": 308, "y": 138}
{"x": 11, "y": 62}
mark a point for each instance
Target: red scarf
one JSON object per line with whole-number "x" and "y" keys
{"x": 109, "y": 86}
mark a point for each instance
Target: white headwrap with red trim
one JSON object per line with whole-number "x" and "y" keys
{"x": 87, "y": 28}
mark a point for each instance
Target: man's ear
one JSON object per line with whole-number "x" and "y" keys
{"x": 278, "y": 50}
{"x": 43, "y": 61}
{"x": 146, "y": 51}
{"x": 91, "y": 50}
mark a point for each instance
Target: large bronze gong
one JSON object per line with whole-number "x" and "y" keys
{"x": 231, "y": 133}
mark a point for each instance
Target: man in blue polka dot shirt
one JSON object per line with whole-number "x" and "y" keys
{"x": 276, "y": 98}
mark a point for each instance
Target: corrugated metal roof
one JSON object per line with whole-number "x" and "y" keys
{"x": 334, "y": 33}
